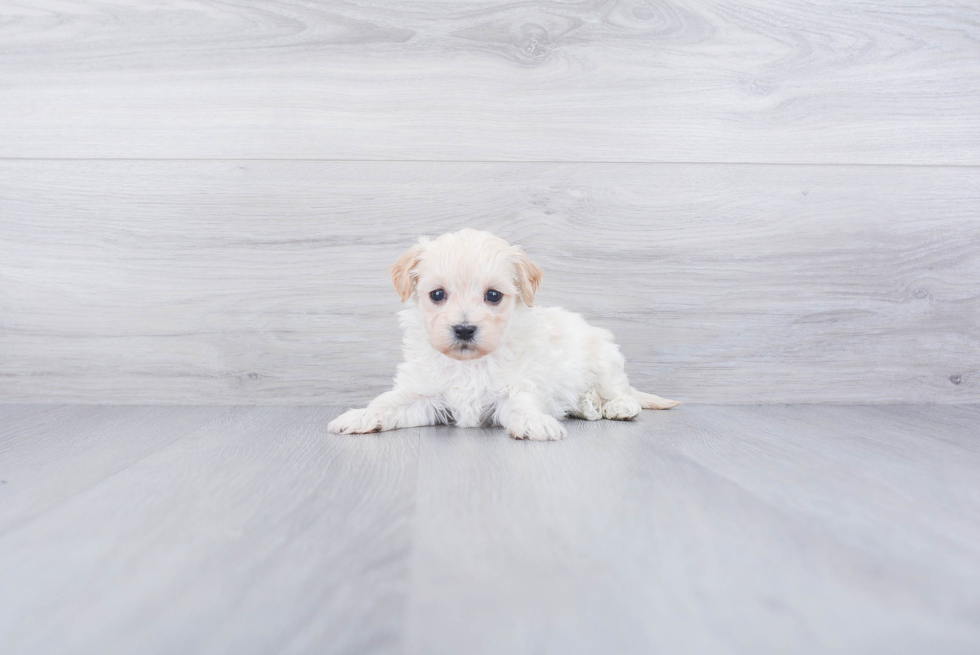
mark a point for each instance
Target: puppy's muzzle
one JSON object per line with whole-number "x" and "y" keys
{"x": 464, "y": 332}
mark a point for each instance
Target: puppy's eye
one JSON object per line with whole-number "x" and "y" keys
{"x": 438, "y": 295}
{"x": 493, "y": 296}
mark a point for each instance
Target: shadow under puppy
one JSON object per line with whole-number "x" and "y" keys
{"x": 477, "y": 351}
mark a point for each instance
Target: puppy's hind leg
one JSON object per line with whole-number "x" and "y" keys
{"x": 621, "y": 408}
{"x": 589, "y": 406}
{"x": 620, "y": 401}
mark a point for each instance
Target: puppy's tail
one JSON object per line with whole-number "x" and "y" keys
{"x": 649, "y": 401}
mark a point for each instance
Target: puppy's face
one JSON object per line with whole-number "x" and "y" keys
{"x": 467, "y": 285}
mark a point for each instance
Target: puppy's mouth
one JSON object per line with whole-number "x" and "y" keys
{"x": 464, "y": 350}
{"x": 467, "y": 350}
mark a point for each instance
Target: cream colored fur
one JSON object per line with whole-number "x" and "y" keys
{"x": 526, "y": 367}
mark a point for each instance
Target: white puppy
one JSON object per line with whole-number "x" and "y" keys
{"x": 478, "y": 352}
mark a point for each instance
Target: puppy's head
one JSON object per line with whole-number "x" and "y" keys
{"x": 467, "y": 285}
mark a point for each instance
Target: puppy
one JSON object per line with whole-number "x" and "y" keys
{"x": 478, "y": 352}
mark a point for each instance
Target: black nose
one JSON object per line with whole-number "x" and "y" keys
{"x": 464, "y": 332}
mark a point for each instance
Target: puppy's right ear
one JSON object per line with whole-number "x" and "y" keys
{"x": 403, "y": 271}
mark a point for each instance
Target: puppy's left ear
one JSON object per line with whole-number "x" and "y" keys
{"x": 528, "y": 276}
{"x": 402, "y": 271}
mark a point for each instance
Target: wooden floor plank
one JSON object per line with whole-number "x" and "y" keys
{"x": 50, "y": 453}
{"x": 257, "y": 533}
{"x": 624, "y": 540}
{"x": 168, "y": 282}
{"x": 705, "y": 529}
{"x": 879, "y": 480}
{"x": 690, "y": 80}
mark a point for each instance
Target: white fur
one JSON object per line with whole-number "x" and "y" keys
{"x": 540, "y": 364}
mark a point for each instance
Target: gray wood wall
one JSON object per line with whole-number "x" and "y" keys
{"x": 766, "y": 201}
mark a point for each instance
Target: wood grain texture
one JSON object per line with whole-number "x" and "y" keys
{"x": 50, "y": 454}
{"x": 705, "y": 529}
{"x": 831, "y": 81}
{"x": 266, "y": 282}
{"x": 252, "y": 534}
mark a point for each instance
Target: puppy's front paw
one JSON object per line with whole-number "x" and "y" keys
{"x": 536, "y": 427}
{"x": 355, "y": 421}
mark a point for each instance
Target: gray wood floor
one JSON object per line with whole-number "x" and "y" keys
{"x": 706, "y": 529}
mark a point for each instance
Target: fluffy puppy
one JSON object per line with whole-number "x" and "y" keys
{"x": 478, "y": 352}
